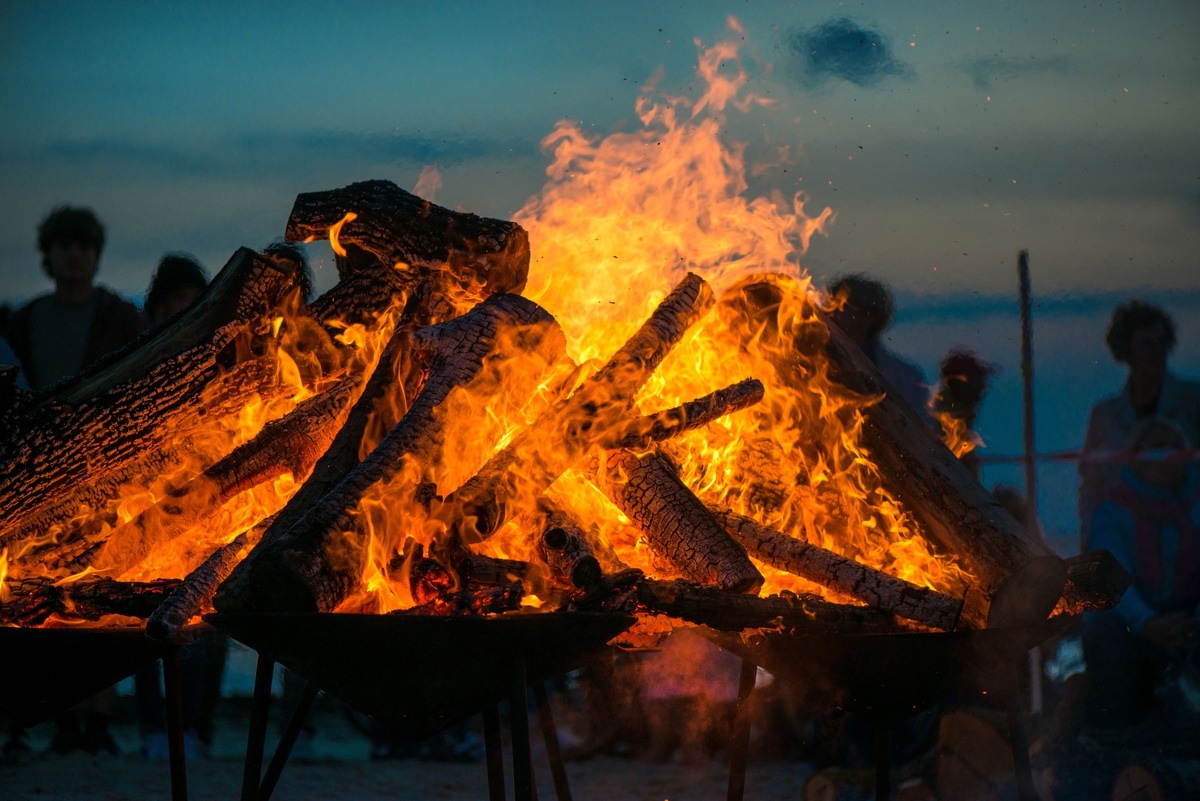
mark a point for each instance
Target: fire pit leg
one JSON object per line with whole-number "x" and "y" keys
{"x": 562, "y": 789}
{"x": 1020, "y": 748}
{"x": 257, "y": 739}
{"x": 740, "y": 747}
{"x": 494, "y": 749}
{"x": 518, "y": 724}
{"x": 883, "y": 761}
{"x": 175, "y": 750}
{"x": 284, "y": 749}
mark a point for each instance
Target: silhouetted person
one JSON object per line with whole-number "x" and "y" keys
{"x": 177, "y": 282}
{"x": 867, "y": 311}
{"x": 1140, "y": 336}
{"x": 57, "y": 334}
{"x": 961, "y": 387}
{"x": 1150, "y": 522}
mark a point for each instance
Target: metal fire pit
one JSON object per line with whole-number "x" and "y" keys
{"x": 893, "y": 676}
{"x": 890, "y": 677}
{"x": 419, "y": 673}
{"x": 46, "y": 671}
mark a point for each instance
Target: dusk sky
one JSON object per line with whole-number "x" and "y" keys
{"x": 944, "y": 136}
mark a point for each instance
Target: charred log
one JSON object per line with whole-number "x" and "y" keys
{"x": 194, "y": 594}
{"x": 315, "y": 565}
{"x": 1095, "y": 582}
{"x": 56, "y": 451}
{"x": 643, "y": 431}
{"x": 675, "y": 523}
{"x": 488, "y": 600}
{"x": 564, "y": 547}
{"x": 396, "y": 241}
{"x": 33, "y": 600}
{"x": 291, "y": 444}
{"x": 873, "y": 587}
{"x": 545, "y": 450}
{"x": 726, "y": 611}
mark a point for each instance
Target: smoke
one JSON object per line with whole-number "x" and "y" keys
{"x": 843, "y": 49}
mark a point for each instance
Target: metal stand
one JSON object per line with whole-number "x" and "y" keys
{"x": 740, "y": 747}
{"x": 524, "y": 786}
{"x": 257, "y": 786}
{"x": 174, "y": 701}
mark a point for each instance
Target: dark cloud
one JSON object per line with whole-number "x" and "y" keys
{"x": 986, "y": 72}
{"x": 843, "y": 49}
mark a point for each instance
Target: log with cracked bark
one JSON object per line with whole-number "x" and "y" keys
{"x": 834, "y": 571}
{"x": 642, "y": 431}
{"x": 1016, "y": 577}
{"x": 55, "y": 451}
{"x": 396, "y": 241}
{"x": 674, "y": 522}
{"x": 316, "y": 564}
{"x": 542, "y": 452}
{"x": 30, "y": 601}
{"x": 291, "y": 444}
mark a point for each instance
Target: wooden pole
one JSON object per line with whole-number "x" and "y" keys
{"x": 1031, "y": 515}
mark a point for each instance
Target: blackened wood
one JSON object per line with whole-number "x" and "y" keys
{"x": 1095, "y": 582}
{"x": 476, "y": 569}
{"x": 316, "y": 564}
{"x": 194, "y": 594}
{"x": 659, "y": 426}
{"x": 290, "y": 444}
{"x": 956, "y": 512}
{"x": 834, "y": 571}
{"x": 380, "y": 405}
{"x": 512, "y": 479}
{"x": 485, "y": 600}
{"x": 674, "y": 522}
{"x": 396, "y": 240}
{"x": 57, "y": 448}
{"x": 564, "y": 546}
{"x": 727, "y": 611}
{"x": 33, "y": 600}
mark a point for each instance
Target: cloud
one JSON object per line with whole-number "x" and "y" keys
{"x": 239, "y": 153}
{"x": 843, "y": 49}
{"x": 985, "y": 72}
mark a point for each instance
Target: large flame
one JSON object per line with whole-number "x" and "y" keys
{"x": 620, "y": 221}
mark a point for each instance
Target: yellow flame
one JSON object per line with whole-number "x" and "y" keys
{"x": 336, "y": 231}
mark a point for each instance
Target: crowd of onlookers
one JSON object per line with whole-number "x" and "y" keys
{"x": 1139, "y": 498}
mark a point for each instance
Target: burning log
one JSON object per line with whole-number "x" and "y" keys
{"x": 33, "y": 600}
{"x": 197, "y": 588}
{"x": 396, "y": 241}
{"x": 564, "y": 547}
{"x": 291, "y": 444}
{"x": 1095, "y": 582}
{"x": 675, "y": 523}
{"x": 489, "y": 600}
{"x": 1020, "y": 579}
{"x": 315, "y": 565}
{"x": 871, "y": 586}
{"x": 372, "y": 409}
{"x": 725, "y": 611}
{"x": 545, "y": 450}
{"x": 55, "y": 451}
{"x": 642, "y": 431}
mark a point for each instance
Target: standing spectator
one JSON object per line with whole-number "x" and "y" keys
{"x": 177, "y": 282}
{"x": 867, "y": 311}
{"x": 1140, "y": 336}
{"x": 55, "y": 336}
{"x": 59, "y": 333}
{"x": 1150, "y": 522}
